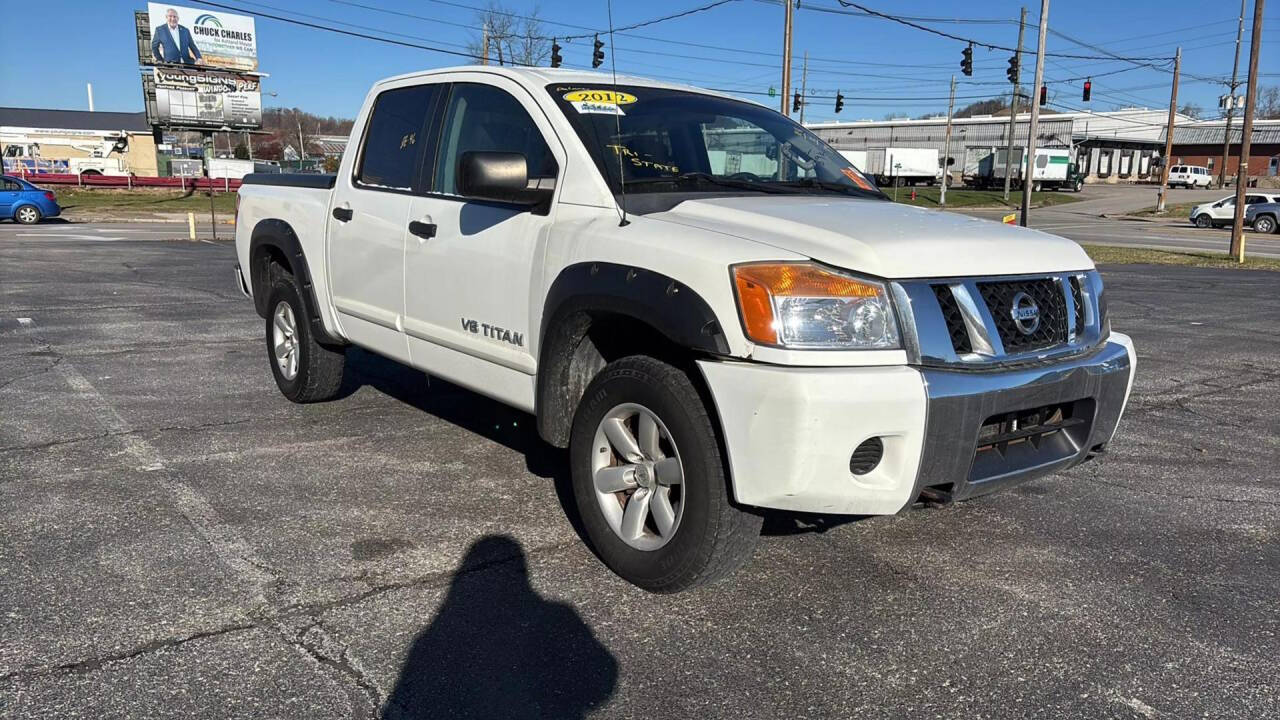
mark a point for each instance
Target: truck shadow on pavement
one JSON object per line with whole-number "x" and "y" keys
{"x": 497, "y": 649}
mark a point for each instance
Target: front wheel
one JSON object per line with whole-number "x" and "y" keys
{"x": 650, "y": 483}
{"x": 27, "y": 215}
{"x": 1265, "y": 225}
{"x": 1204, "y": 221}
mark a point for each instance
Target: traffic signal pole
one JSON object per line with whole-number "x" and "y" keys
{"x": 1250, "y": 100}
{"x": 1030, "y": 153}
{"x": 1013, "y": 105}
{"x": 786, "y": 58}
{"x": 946, "y": 155}
{"x": 1168, "y": 133}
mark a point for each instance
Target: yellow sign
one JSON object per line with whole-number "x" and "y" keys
{"x": 600, "y": 96}
{"x": 1010, "y": 219}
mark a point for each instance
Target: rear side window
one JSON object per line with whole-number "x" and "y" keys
{"x": 396, "y": 138}
{"x": 486, "y": 118}
{"x": 11, "y": 185}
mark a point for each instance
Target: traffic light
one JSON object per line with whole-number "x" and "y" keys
{"x": 839, "y": 101}
{"x": 597, "y": 57}
{"x": 1044, "y": 95}
{"x": 1088, "y": 88}
{"x": 1012, "y": 72}
{"x": 555, "y": 54}
{"x": 966, "y": 65}
{"x": 795, "y": 104}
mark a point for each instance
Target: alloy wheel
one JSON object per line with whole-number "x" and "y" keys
{"x": 284, "y": 340}
{"x": 638, "y": 476}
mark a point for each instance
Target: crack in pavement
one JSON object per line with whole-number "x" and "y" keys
{"x": 121, "y": 433}
{"x": 1182, "y": 496}
{"x": 318, "y": 649}
{"x": 279, "y": 615}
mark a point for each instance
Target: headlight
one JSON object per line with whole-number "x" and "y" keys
{"x": 806, "y": 306}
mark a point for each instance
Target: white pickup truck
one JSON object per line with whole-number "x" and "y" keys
{"x": 707, "y": 305}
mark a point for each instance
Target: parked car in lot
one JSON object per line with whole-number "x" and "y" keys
{"x": 1263, "y": 217}
{"x": 1223, "y": 212}
{"x": 708, "y": 306}
{"x": 1189, "y": 176}
{"x": 24, "y": 202}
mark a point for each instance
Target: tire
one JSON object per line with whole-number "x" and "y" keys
{"x": 1204, "y": 221}
{"x": 27, "y": 214}
{"x": 1078, "y": 186}
{"x": 1265, "y": 224}
{"x": 707, "y": 537}
{"x": 311, "y": 372}
{"x": 1035, "y": 187}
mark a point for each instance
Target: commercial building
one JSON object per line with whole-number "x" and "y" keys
{"x": 77, "y": 141}
{"x": 1200, "y": 143}
{"x": 1114, "y": 146}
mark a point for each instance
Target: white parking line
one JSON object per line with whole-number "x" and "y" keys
{"x": 221, "y": 538}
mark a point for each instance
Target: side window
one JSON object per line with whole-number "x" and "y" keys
{"x": 396, "y": 138}
{"x": 1254, "y": 199}
{"x": 486, "y": 118}
{"x": 11, "y": 185}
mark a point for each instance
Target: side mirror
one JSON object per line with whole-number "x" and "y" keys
{"x": 499, "y": 177}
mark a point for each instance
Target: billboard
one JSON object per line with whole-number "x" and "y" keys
{"x": 186, "y": 97}
{"x": 202, "y": 38}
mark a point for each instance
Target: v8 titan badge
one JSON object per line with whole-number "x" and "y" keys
{"x": 602, "y": 102}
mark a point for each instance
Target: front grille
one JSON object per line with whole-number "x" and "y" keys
{"x": 1047, "y": 294}
{"x": 1077, "y": 297}
{"x": 955, "y": 322}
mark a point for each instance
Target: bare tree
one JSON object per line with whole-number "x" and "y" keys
{"x": 514, "y": 39}
{"x": 1268, "y": 103}
{"x": 1192, "y": 110}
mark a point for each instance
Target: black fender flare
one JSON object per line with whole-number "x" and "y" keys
{"x": 663, "y": 303}
{"x": 277, "y": 235}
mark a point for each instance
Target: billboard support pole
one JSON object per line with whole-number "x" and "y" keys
{"x": 208, "y": 158}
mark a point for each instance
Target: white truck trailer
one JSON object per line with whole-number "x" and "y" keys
{"x": 902, "y": 165}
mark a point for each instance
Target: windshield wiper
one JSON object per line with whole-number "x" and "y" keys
{"x": 811, "y": 182}
{"x": 693, "y": 178}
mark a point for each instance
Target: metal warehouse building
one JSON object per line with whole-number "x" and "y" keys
{"x": 1115, "y": 146}
{"x": 1201, "y": 144}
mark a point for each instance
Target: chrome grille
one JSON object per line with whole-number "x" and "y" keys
{"x": 1047, "y": 294}
{"x": 955, "y": 321}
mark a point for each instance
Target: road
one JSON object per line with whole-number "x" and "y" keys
{"x": 1084, "y": 222}
{"x": 180, "y": 541}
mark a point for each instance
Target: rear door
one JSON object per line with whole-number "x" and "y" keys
{"x": 370, "y": 214}
{"x": 467, "y": 287}
{"x": 9, "y": 192}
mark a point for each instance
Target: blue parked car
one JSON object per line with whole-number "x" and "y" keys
{"x": 25, "y": 202}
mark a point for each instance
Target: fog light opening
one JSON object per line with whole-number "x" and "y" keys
{"x": 866, "y": 456}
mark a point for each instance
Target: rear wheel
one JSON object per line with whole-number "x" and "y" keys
{"x": 27, "y": 215}
{"x": 650, "y": 482}
{"x": 1265, "y": 225}
{"x": 305, "y": 371}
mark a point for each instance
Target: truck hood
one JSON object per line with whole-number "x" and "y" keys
{"x": 882, "y": 238}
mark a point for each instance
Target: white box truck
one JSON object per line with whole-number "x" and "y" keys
{"x": 905, "y": 166}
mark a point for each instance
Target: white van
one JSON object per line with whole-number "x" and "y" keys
{"x": 1189, "y": 176}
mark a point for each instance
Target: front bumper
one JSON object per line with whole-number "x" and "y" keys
{"x": 790, "y": 432}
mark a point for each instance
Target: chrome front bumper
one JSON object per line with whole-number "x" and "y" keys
{"x": 958, "y": 461}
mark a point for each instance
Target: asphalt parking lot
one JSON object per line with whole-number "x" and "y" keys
{"x": 181, "y": 541}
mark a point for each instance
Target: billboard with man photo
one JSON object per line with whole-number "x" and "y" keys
{"x": 201, "y": 38}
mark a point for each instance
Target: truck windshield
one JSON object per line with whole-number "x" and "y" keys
{"x": 647, "y": 140}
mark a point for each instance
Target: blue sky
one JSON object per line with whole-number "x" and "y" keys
{"x": 736, "y": 46}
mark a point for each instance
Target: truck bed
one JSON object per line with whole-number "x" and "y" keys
{"x": 301, "y": 180}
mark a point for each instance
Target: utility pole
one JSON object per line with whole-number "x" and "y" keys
{"x": 786, "y": 59}
{"x": 1013, "y": 106}
{"x": 1030, "y": 153}
{"x": 946, "y": 155}
{"x": 485, "y": 44}
{"x": 1250, "y": 99}
{"x": 302, "y": 144}
{"x": 1168, "y": 140}
{"x": 1231, "y": 102}
{"x": 804, "y": 85}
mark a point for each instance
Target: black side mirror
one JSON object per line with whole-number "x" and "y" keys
{"x": 499, "y": 177}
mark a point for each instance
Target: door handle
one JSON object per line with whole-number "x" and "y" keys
{"x": 343, "y": 214}
{"x": 426, "y": 231}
